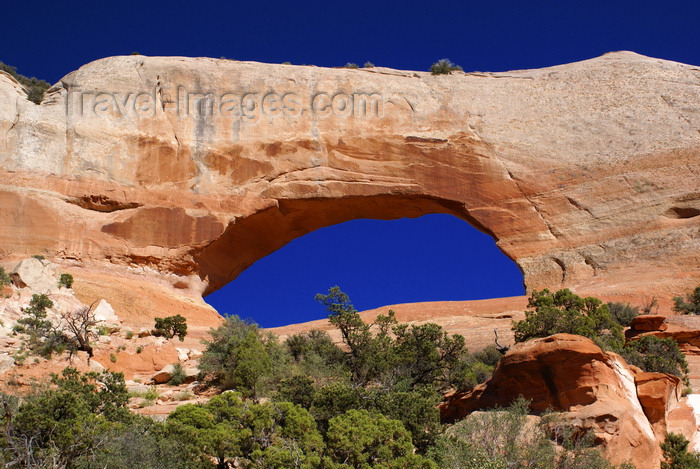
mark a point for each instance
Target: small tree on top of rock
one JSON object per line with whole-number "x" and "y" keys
{"x": 444, "y": 67}
{"x": 689, "y": 305}
{"x": 565, "y": 312}
{"x": 170, "y": 327}
{"x": 34, "y": 87}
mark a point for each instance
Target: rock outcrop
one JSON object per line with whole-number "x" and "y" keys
{"x": 624, "y": 407}
{"x": 658, "y": 394}
{"x": 648, "y": 322}
{"x": 172, "y": 175}
{"x": 39, "y": 276}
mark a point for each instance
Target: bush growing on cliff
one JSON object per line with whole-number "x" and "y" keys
{"x": 444, "y": 67}
{"x": 565, "y": 312}
{"x": 34, "y": 87}
{"x": 689, "y": 305}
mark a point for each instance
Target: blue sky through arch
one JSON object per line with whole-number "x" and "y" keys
{"x": 377, "y": 262}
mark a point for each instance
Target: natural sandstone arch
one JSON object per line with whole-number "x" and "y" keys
{"x": 264, "y": 233}
{"x": 585, "y": 174}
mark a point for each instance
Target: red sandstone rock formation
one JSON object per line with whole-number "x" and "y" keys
{"x": 649, "y": 322}
{"x": 624, "y": 407}
{"x": 585, "y": 174}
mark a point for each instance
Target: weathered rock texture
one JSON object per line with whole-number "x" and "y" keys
{"x": 585, "y": 174}
{"x": 648, "y": 322}
{"x": 626, "y": 408}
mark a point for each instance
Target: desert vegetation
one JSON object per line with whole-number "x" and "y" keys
{"x": 34, "y": 87}
{"x": 566, "y": 312}
{"x": 688, "y": 305}
{"x": 444, "y": 67}
{"x": 307, "y": 402}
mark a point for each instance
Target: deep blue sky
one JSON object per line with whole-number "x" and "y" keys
{"x": 432, "y": 258}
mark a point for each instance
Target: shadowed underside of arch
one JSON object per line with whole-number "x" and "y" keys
{"x": 273, "y": 228}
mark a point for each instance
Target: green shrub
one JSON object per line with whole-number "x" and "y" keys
{"x": 228, "y": 430}
{"x": 676, "y": 455}
{"x": 565, "y": 312}
{"x": 368, "y": 64}
{"x": 113, "y": 358}
{"x": 152, "y": 394}
{"x": 129, "y": 335}
{"x": 444, "y": 67}
{"x": 351, "y": 65}
{"x": 66, "y": 280}
{"x": 236, "y": 356}
{"x": 170, "y": 327}
{"x": 39, "y": 329}
{"x": 689, "y": 305}
{"x": 139, "y": 349}
{"x": 623, "y": 313}
{"x": 54, "y": 342}
{"x": 489, "y": 355}
{"x": 371, "y": 440}
{"x": 185, "y": 395}
{"x": 503, "y": 437}
{"x": 38, "y": 256}
{"x": 34, "y": 87}
{"x": 61, "y": 423}
{"x": 298, "y": 389}
{"x": 653, "y": 354}
{"x": 4, "y": 278}
{"x": 178, "y": 375}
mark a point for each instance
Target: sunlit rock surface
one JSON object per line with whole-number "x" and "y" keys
{"x": 586, "y": 174}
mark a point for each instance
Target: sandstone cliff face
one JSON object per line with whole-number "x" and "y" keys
{"x": 585, "y": 174}
{"x": 626, "y": 408}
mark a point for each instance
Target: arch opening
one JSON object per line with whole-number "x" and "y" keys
{"x": 379, "y": 259}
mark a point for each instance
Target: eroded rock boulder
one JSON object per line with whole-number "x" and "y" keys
{"x": 649, "y": 322}
{"x": 164, "y": 375}
{"x": 40, "y": 277}
{"x": 658, "y": 394}
{"x": 594, "y": 389}
{"x": 105, "y": 313}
